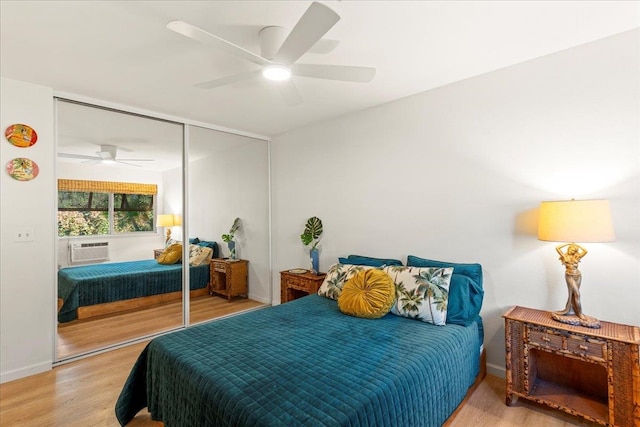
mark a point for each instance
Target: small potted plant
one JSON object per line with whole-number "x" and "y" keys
{"x": 231, "y": 244}
{"x": 311, "y": 236}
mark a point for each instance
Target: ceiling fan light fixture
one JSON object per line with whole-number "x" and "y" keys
{"x": 276, "y": 72}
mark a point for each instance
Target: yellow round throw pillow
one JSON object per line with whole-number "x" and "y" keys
{"x": 171, "y": 254}
{"x": 369, "y": 294}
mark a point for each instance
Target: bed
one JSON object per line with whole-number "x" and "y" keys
{"x": 91, "y": 290}
{"x": 305, "y": 363}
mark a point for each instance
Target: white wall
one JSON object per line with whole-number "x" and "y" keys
{"x": 125, "y": 247}
{"x": 27, "y": 268}
{"x": 457, "y": 174}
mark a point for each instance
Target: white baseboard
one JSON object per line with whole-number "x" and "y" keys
{"x": 262, "y": 300}
{"x": 25, "y": 372}
{"x": 496, "y": 370}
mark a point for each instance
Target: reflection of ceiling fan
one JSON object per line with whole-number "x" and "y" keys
{"x": 107, "y": 154}
{"x": 280, "y": 51}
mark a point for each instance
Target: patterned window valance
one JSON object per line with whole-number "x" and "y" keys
{"x": 107, "y": 187}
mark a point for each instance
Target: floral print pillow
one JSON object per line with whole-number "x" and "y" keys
{"x": 336, "y": 277}
{"x": 421, "y": 292}
{"x": 199, "y": 255}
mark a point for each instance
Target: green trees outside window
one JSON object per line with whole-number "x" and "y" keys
{"x": 92, "y": 213}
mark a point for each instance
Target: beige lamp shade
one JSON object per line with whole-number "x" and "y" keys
{"x": 168, "y": 220}
{"x": 582, "y": 221}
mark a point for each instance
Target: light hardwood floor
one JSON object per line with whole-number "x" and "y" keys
{"x": 81, "y": 336}
{"x": 486, "y": 407}
{"x": 83, "y": 393}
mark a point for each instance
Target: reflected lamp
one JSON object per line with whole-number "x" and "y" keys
{"x": 571, "y": 221}
{"x": 168, "y": 221}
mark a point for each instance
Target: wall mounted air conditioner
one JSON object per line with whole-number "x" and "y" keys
{"x": 90, "y": 252}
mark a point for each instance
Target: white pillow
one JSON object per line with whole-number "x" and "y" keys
{"x": 422, "y": 292}
{"x": 336, "y": 276}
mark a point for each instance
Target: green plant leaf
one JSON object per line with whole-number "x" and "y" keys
{"x": 314, "y": 227}
{"x": 306, "y": 238}
{"x": 312, "y": 230}
{"x": 235, "y": 226}
{"x": 229, "y": 237}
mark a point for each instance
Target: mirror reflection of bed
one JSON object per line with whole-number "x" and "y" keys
{"x": 126, "y": 294}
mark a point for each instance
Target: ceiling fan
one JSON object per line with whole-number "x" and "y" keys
{"x": 107, "y": 154}
{"x": 279, "y": 52}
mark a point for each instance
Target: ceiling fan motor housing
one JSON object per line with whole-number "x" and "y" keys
{"x": 107, "y": 152}
{"x": 271, "y": 38}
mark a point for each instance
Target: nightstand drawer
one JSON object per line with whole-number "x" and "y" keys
{"x": 302, "y": 285}
{"x": 592, "y": 349}
{"x": 219, "y": 266}
{"x": 294, "y": 284}
{"x": 545, "y": 339}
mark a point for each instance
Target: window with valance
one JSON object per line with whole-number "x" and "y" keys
{"x": 90, "y": 208}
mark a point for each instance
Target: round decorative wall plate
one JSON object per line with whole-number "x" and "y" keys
{"x": 22, "y": 169}
{"x": 22, "y": 136}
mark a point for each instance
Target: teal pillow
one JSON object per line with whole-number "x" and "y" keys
{"x": 368, "y": 261}
{"x": 465, "y": 300}
{"x": 364, "y": 262}
{"x": 194, "y": 240}
{"x": 473, "y": 271}
{"x": 465, "y": 291}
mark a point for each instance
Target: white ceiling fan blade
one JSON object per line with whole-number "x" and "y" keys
{"x": 324, "y": 46}
{"x": 78, "y": 156}
{"x": 289, "y": 92}
{"x": 316, "y": 21}
{"x": 134, "y": 160}
{"x": 228, "y": 80}
{"x": 128, "y": 164}
{"x": 334, "y": 72}
{"x": 209, "y": 39}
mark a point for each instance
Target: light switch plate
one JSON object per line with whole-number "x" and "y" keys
{"x": 24, "y": 235}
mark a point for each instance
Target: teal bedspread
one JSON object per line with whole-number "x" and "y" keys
{"x": 100, "y": 283}
{"x": 304, "y": 363}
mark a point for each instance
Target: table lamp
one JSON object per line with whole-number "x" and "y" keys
{"x": 584, "y": 221}
{"x": 168, "y": 220}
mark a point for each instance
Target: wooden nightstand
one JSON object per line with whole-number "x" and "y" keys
{"x": 228, "y": 278}
{"x": 591, "y": 373}
{"x": 296, "y": 285}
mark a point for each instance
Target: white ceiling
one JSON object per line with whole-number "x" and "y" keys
{"x": 121, "y": 51}
{"x": 82, "y": 130}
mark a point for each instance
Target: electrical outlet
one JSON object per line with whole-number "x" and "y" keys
{"x": 24, "y": 235}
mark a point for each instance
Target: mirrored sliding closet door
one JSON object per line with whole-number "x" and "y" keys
{"x": 228, "y": 195}
{"x": 120, "y": 206}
